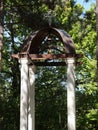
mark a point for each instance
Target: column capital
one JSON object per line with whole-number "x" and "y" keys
{"x": 70, "y": 60}
{"x": 23, "y": 60}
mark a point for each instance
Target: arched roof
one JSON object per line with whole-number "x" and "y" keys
{"x": 32, "y": 42}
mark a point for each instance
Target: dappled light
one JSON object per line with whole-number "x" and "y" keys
{"x": 59, "y": 38}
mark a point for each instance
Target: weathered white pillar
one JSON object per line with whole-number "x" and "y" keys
{"x": 24, "y": 94}
{"x": 71, "y": 94}
{"x": 31, "y": 103}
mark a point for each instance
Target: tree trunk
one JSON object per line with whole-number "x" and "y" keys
{"x": 1, "y": 26}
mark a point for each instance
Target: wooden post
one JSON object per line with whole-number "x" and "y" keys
{"x": 31, "y": 97}
{"x": 24, "y": 94}
{"x": 71, "y": 94}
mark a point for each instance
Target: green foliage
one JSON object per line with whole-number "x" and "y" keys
{"x": 50, "y": 99}
{"x": 21, "y": 18}
{"x": 93, "y": 114}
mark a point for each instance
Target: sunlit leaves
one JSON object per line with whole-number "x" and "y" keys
{"x": 51, "y": 112}
{"x": 93, "y": 114}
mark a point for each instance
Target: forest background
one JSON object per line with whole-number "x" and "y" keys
{"x": 21, "y": 17}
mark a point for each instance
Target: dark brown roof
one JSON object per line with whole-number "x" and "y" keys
{"x": 32, "y": 42}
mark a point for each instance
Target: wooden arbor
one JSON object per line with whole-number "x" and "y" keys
{"x": 41, "y": 48}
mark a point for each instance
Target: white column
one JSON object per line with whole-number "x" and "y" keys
{"x": 24, "y": 94}
{"x": 31, "y": 103}
{"x": 71, "y": 94}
